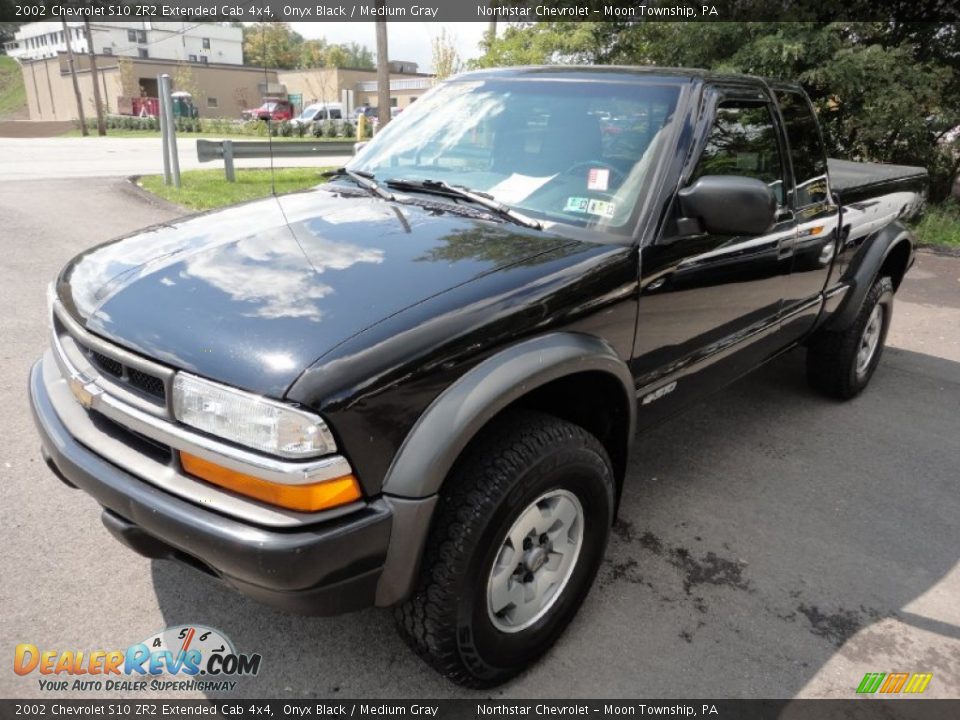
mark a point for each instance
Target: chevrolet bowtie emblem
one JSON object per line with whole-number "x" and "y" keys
{"x": 81, "y": 392}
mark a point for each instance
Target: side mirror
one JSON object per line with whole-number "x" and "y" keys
{"x": 729, "y": 205}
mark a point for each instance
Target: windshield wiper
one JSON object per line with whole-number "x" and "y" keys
{"x": 485, "y": 200}
{"x": 365, "y": 180}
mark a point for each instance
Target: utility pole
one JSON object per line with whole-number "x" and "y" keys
{"x": 383, "y": 73}
{"x": 73, "y": 76}
{"x": 101, "y": 121}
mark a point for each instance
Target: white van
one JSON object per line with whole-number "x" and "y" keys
{"x": 319, "y": 111}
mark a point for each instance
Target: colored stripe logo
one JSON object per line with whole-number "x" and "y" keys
{"x": 894, "y": 683}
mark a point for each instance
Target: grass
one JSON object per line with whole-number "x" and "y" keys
{"x": 208, "y": 189}
{"x": 940, "y": 225}
{"x": 13, "y": 95}
{"x": 117, "y": 133}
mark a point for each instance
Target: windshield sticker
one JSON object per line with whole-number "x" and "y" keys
{"x": 590, "y": 207}
{"x": 598, "y": 179}
{"x": 517, "y": 188}
{"x": 577, "y": 204}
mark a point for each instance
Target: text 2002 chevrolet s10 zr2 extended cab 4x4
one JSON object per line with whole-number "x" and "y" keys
{"x": 417, "y": 385}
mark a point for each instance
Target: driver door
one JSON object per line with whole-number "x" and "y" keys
{"x": 710, "y": 304}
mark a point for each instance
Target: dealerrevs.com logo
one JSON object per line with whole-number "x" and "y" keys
{"x": 184, "y": 657}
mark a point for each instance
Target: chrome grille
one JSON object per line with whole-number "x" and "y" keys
{"x": 133, "y": 376}
{"x": 108, "y": 365}
{"x": 149, "y": 384}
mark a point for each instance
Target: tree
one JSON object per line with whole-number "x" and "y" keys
{"x": 885, "y": 91}
{"x": 73, "y": 78}
{"x": 8, "y": 30}
{"x": 313, "y": 53}
{"x": 357, "y": 56}
{"x": 95, "y": 80}
{"x": 184, "y": 80}
{"x": 446, "y": 60}
{"x": 271, "y": 44}
{"x": 128, "y": 77}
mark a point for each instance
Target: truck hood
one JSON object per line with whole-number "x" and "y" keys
{"x": 252, "y": 295}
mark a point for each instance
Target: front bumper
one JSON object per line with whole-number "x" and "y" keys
{"x": 321, "y": 569}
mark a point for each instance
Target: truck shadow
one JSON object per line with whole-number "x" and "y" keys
{"x": 761, "y": 535}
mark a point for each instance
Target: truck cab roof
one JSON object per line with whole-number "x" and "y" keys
{"x": 620, "y": 73}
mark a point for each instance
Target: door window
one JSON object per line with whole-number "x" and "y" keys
{"x": 743, "y": 141}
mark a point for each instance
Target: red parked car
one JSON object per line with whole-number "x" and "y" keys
{"x": 272, "y": 109}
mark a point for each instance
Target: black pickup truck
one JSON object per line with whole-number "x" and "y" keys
{"x": 417, "y": 384}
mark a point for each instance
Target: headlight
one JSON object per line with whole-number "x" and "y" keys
{"x": 249, "y": 420}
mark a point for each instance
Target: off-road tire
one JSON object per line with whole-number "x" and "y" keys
{"x": 511, "y": 463}
{"x": 832, "y": 355}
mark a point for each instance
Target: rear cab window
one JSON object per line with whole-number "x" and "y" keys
{"x": 806, "y": 148}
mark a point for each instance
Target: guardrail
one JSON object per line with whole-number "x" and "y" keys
{"x": 230, "y": 150}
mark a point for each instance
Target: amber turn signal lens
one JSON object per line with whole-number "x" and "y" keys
{"x": 303, "y": 498}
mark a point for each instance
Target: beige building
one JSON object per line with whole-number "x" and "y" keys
{"x": 355, "y": 87}
{"x": 219, "y": 90}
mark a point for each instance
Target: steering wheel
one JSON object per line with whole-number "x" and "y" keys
{"x": 616, "y": 175}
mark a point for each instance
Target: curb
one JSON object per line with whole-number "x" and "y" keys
{"x": 939, "y": 250}
{"x": 132, "y": 187}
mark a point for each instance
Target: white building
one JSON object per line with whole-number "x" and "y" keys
{"x": 188, "y": 42}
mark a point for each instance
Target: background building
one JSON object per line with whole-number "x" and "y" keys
{"x": 219, "y": 90}
{"x": 355, "y": 87}
{"x": 186, "y": 42}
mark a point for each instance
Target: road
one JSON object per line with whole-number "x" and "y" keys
{"x": 771, "y": 543}
{"x": 39, "y": 158}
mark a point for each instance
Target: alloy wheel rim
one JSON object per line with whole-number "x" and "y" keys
{"x": 535, "y": 561}
{"x": 869, "y": 340}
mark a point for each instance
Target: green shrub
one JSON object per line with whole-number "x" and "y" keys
{"x": 255, "y": 127}
{"x": 285, "y": 129}
{"x": 347, "y": 130}
{"x": 316, "y": 129}
{"x": 940, "y": 225}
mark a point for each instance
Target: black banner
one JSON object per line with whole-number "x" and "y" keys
{"x": 853, "y": 709}
{"x": 480, "y": 10}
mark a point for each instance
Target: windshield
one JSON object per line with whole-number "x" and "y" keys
{"x": 570, "y": 152}
{"x": 309, "y": 113}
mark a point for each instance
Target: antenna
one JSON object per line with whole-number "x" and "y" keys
{"x": 266, "y": 86}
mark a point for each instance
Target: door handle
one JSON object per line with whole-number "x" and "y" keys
{"x": 786, "y": 245}
{"x": 656, "y": 284}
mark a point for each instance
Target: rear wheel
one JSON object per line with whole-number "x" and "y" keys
{"x": 840, "y": 364}
{"x": 519, "y": 535}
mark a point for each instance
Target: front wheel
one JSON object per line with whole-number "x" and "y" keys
{"x": 840, "y": 364}
{"x": 519, "y": 535}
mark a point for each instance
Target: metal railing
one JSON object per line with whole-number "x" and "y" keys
{"x": 230, "y": 150}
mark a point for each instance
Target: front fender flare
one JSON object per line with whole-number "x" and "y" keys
{"x": 455, "y": 417}
{"x": 460, "y": 411}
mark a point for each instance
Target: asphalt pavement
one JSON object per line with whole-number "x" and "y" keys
{"x": 771, "y": 543}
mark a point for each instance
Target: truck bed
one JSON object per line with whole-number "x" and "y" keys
{"x": 859, "y": 181}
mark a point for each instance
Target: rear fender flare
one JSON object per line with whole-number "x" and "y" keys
{"x": 862, "y": 273}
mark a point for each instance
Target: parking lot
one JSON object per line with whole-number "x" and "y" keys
{"x": 771, "y": 543}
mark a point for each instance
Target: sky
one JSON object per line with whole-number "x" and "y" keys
{"x": 405, "y": 40}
